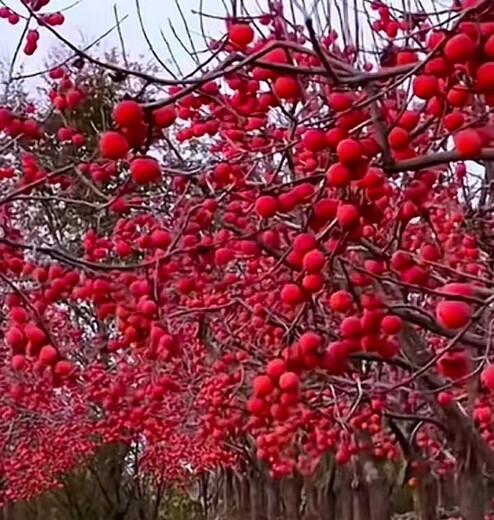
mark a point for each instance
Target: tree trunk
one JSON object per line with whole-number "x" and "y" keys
{"x": 470, "y": 488}
{"x": 425, "y": 499}
{"x": 343, "y": 495}
{"x": 228, "y": 505}
{"x": 273, "y": 499}
{"x": 257, "y": 496}
{"x": 291, "y": 487}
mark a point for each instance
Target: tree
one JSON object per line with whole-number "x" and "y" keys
{"x": 273, "y": 276}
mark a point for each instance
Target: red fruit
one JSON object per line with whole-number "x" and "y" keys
{"x": 459, "y": 49}
{"x": 304, "y": 243}
{"x": 63, "y": 368}
{"x": 128, "y": 113}
{"x": 343, "y": 456}
{"x": 391, "y": 324}
{"x": 341, "y": 301}
{"x": 351, "y": 327}
{"x": 113, "y": 145}
{"x": 18, "y": 362}
{"x": 445, "y": 398}
{"x": 279, "y": 412}
{"x": 165, "y": 116}
{"x": 489, "y": 47}
{"x": 262, "y": 385}
{"x": 286, "y": 87}
{"x": 347, "y": 215}
{"x": 309, "y": 342}
{"x": 313, "y": 282}
{"x": 314, "y": 261}
{"x": 223, "y": 256}
{"x": 454, "y": 121}
{"x": 266, "y": 206}
{"x": 457, "y": 289}
{"x": 325, "y": 209}
{"x": 338, "y": 176}
{"x": 425, "y": 87}
{"x": 256, "y": 406}
{"x": 160, "y": 238}
{"x": 35, "y": 335}
{"x": 388, "y": 348}
{"x": 18, "y": 314}
{"x": 349, "y": 151}
{"x": 275, "y": 368}
{"x": 485, "y": 77}
{"x": 340, "y": 101}
{"x": 398, "y": 138}
{"x": 468, "y": 143}
{"x": 291, "y": 294}
{"x": 289, "y": 382}
{"x": 15, "y": 337}
{"x": 241, "y": 34}
{"x": 487, "y": 377}
{"x": 458, "y": 96}
{"x": 453, "y": 314}
{"x": 48, "y": 355}
{"x": 315, "y": 140}
{"x": 144, "y": 170}
{"x": 409, "y": 120}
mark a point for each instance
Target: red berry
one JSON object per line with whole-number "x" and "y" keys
{"x": 256, "y": 406}
{"x": 453, "y": 314}
{"x": 144, "y": 170}
{"x": 459, "y": 49}
{"x": 313, "y": 282}
{"x": 340, "y": 101}
{"x": 223, "y": 256}
{"x": 314, "y": 261}
{"x": 391, "y": 324}
{"x": 425, "y": 87}
{"x": 445, "y": 398}
{"x": 347, "y": 215}
{"x": 468, "y": 143}
{"x": 165, "y": 116}
{"x": 266, "y": 206}
{"x": 286, "y": 87}
{"x": 487, "y": 377}
{"x": 485, "y": 77}
{"x": 304, "y": 243}
{"x": 309, "y": 342}
{"x": 241, "y": 34}
{"x": 113, "y": 145}
{"x": 289, "y": 382}
{"x": 338, "y": 176}
{"x": 275, "y": 368}
{"x": 489, "y": 47}
{"x": 349, "y": 151}
{"x": 291, "y": 294}
{"x": 262, "y": 385}
{"x": 160, "y": 238}
{"x": 128, "y": 113}
{"x": 398, "y": 138}
{"x": 315, "y": 140}
{"x": 341, "y": 301}
{"x": 48, "y": 355}
{"x": 18, "y": 362}
{"x": 457, "y": 289}
{"x": 63, "y": 368}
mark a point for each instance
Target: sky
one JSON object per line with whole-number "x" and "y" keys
{"x": 89, "y": 19}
